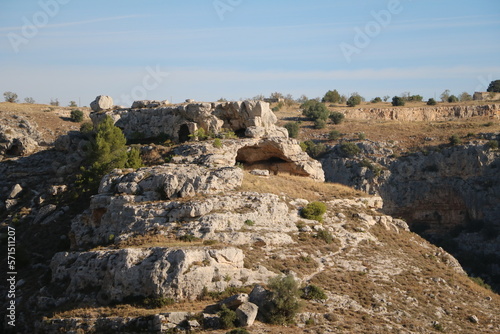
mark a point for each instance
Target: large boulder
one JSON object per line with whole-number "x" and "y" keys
{"x": 102, "y": 102}
{"x": 246, "y": 314}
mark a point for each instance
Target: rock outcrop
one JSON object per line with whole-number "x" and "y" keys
{"x": 102, "y": 102}
{"x": 416, "y": 114}
{"x": 18, "y": 137}
{"x": 181, "y": 123}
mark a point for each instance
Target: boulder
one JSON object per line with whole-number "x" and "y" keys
{"x": 102, "y": 102}
{"x": 258, "y": 296}
{"x": 246, "y": 314}
{"x": 16, "y": 190}
{"x": 235, "y": 301}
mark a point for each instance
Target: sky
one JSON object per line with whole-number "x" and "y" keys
{"x": 74, "y": 50}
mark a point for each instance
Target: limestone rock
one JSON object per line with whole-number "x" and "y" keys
{"x": 246, "y": 313}
{"x": 16, "y": 190}
{"x": 18, "y": 137}
{"x": 258, "y": 296}
{"x": 177, "y": 273}
{"x": 235, "y": 301}
{"x": 102, "y": 102}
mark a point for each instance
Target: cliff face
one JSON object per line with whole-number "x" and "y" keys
{"x": 449, "y": 195}
{"x": 424, "y": 113}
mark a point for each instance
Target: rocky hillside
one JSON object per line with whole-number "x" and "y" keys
{"x": 160, "y": 248}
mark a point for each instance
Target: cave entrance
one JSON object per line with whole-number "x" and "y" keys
{"x": 184, "y": 133}
{"x": 267, "y": 157}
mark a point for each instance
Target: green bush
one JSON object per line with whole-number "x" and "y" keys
{"x": 76, "y": 115}
{"x": 238, "y": 331}
{"x": 376, "y": 100}
{"x": 325, "y": 236}
{"x": 479, "y": 281}
{"x": 314, "y": 210}
{"x": 284, "y": 302}
{"x": 315, "y": 110}
{"x": 452, "y": 99}
{"x": 107, "y": 152}
{"x": 10, "y": 97}
{"x": 249, "y": 222}
{"x": 398, "y": 101}
{"x": 331, "y": 96}
{"x": 188, "y": 238}
{"x": 361, "y": 136}
{"x": 494, "y": 86}
{"x": 319, "y": 124}
{"x": 431, "y": 102}
{"x": 492, "y": 145}
{"x": 455, "y": 140}
{"x": 314, "y": 150}
{"x": 354, "y": 100}
{"x": 349, "y": 149}
{"x": 334, "y": 135}
{"x": 227, "y": 317}
{"x": 217, "y": 143}
{"x": 313, "y": 292}
{"x": 158, "y": 302}
{"x": 337, "y": 117}
{"x": 293, "y": 129}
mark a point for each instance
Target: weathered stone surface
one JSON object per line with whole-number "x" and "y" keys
{"x": 176, "y": 273}
{"x": 428, "y": 113}
{"x": 235, "y": 301}
{"x": 151, "y": 119}
{"x": 102, "y": 102}
{"x": 18, "y": 137}
{"x": 16, "y": 190}
{"x": 258, "y": 296}
{"x": 246, "y": 313}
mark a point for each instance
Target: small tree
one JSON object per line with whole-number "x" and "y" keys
{"x": 386, "y": 98}
{"x": 455, "y": 140}
{"x": 277, "y": 95}
{"x": 72, "y": 104}
{"x": 334, "y": 135}
{"x": 315, "y": 110}
{"x": 494, "y": 86}
{"x": 302, "y": 99}
{"x": 76, "y": 115}
{"x": 284, "y": 302}
{"x": 319, "y": 124}
{"x": 293, "y": 129}
{"x": 398, "y": 101}
{"x": 289, "y": 101}
{"x": 337, "y": 117}
{"x": 54, "y": 103}
{"x": 452, "y": 99}
{"x": 10, "y": 97}
{"x": 314, "y": 211}
{"x": 376, "y": 100}
{"x": 222, "y": 100}
{"x": 349, "y": 149}
{"x": 464, "y": 97}
{"x": 354, "y": 100}
{"x": 332, "y": 96}
{"x": 431, "y": 102}
{"x": 445, "y": 95}
{"x": 29, "y": 100}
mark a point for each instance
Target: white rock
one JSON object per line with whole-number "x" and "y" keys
{"x": 102, "y": 102}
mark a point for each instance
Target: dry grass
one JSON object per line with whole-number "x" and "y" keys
{"x": 298, "y": 187}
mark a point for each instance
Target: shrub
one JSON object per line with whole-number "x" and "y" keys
{"x": 479, "y": 281}
{"x": 334, "y": 135}
{"x": 107, "y": 152}
{"x": 10, "y": 97}
{"x": 293, "y": 129}
{"x": 29, "y": 100}
{"x": 315, "y": 110}
{"x": 200, "y": 134}
{"x": 455, "y": 140}
{"x": 325, "y": 236}
{"x": 314, "y": 210}
{"x": 452, "y": 99}
{"x": 398, "y": 101}
{"x": 431, "y": 102}
{"x": 492, "y": 145}
{"x": 337, "y": 117}
{"x": 284, "y": 300}
{"x": 314, "y": 150}
{"x": 354, "y": 100}
{"x": 361, "y": 136}
{"x": 227, "y": 317}
{"x": 464, "y": 97}
{"x": 72, "y": 104}
{"x": 158, "y": 302}
{"x": 54, "y": 103}
{"x": 76, "y": 115}
{"x": 187, "y": 238}
{"x": 494, "y": 86}
{"x": 217, "y": 143}
{"x": 238, "y": 331}
{"x": 376, "y": 100}
{"x": 319, "y": 124}
{"x": 249, "y": 222}
{"x": 349, "y": 149}
{"x": 313, "y": 292}
{"x": 331, "y": 96}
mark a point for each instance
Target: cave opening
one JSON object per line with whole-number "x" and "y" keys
{"x": 267, "y": 157}
{"x": 184, "y": 133}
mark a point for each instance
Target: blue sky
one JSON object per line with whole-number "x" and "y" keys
{"x": 207, "y": 49}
